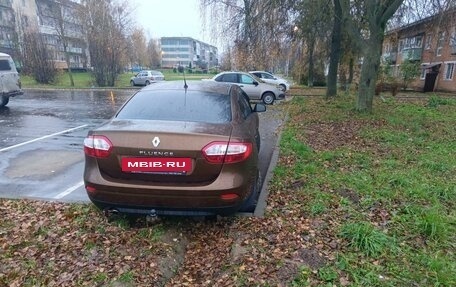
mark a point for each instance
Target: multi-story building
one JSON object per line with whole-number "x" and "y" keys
{"x": 8, "y": 35}
{"x": 187, "y": 52}
{"x": 430, "y": 42}
{"x": 50, "y": 12}
{"x": 42, "y": 16}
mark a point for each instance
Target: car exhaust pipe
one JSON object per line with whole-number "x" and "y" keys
{"x": 110, "y": 211}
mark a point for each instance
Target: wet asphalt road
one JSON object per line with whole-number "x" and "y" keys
{"x": 41, "y": 136}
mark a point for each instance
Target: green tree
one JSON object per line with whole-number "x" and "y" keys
{"x": 409, "y": 72}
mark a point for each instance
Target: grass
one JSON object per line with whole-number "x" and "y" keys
{"x": 401, "y": 164}
{"x": 85, "y": 80}
{"x": 355, "y": 200}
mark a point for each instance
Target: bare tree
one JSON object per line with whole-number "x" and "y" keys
{"x": 375, "y": 15}
{"x": 107, "y": 24}
{"x": 138, "y": 51}
{"x": 336, "y": 49}
{"x": 37, "y": 60}
{"x": 154, "y": 53}
{"x": 63, "y": 14}
{"x": 255, "y": 26}
{"x": 313, "y": 28}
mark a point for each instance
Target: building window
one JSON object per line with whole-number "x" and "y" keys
{"x": 401, "y": 45}
{"x": 440, "y": 41}
{"x": 423, "y": 73}
{"x": 428, "y": 42}
{"x": 449, "y": 69}
{"x": 453, "y": 39}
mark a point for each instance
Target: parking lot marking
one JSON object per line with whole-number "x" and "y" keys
{"x": 69, "y": 190}
{"x": 42, "y": 138}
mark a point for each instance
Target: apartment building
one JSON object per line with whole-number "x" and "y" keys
{"x": 19, "y": 16}
{"x": 432, "y": 43}
{"x": 8, "y": 35}
{"x": 187, "y": 52}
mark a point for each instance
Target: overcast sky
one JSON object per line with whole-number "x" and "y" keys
{"x": 169, "y": 18}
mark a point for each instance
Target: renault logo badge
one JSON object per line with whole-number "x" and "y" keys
{"x": 156, "y": 141}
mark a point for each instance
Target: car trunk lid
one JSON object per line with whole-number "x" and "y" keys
{"x": 167, "y": 142}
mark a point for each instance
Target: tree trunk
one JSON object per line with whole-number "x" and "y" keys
{"x": 351, "y": 70}
{"x": 336, "y": 39}
{"x": 369, "y": 72}
{"x": 310, "y": 54}
{"x": 70, "y": 74}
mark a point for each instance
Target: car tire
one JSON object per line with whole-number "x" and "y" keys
{"x": 283, "y": 87}
{"x": 4, "y": 101}
{"x": 250, "y": 203}
{"x": 268, "y": 98}
{"x": 132, "y": 83}
{"x": 147, "y": 82}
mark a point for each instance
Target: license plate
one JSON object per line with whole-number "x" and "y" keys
{"x": 157, "y": 164}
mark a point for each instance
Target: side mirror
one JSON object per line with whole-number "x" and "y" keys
{"x": 255, "y": 83}
{"x": 259, "y": 108}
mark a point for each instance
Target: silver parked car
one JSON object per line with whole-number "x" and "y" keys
{"x": 147, "y": 77}
{"x": 272, "y": 79}
{"x": 254, "y": 87}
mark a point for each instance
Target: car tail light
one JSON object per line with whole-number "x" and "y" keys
{"x": 229, "y": 196}
{"x": 97, "y": 146}
{"x": 225, "y": 152}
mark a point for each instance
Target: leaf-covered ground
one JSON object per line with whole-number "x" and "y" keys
{"x": 355, "y": 200}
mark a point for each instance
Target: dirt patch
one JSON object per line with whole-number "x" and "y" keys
{"x": 311, "y": 258}
{"x": 329, "y": 136}
{"x": 349, "y": 194}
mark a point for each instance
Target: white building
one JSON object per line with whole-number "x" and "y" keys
{"x": 187, "y": 52}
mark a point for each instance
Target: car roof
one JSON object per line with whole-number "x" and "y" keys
{"x": 233, "y": 72}
{"x": 203, "y": 86}
{"x": 155, "y": 71}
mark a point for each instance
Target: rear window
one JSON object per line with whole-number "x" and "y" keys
{"x": 174, "y": 105}
{"x": 4, "y": 65}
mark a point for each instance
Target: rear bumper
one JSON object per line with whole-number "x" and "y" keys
{"x": 14, "y": 93}
{"x": 169, "y": 200}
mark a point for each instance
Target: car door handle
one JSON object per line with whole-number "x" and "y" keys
{"x": 241, "y": 86}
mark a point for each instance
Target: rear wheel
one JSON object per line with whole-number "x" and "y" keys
{"x": 283, "y": 87}
{"x": 147, "y": 82}
{"x": 268, "y": 98}
{"x": 250, "y": 203}
{"x": 132, "y": 83}
{"x": 4, "y": 101}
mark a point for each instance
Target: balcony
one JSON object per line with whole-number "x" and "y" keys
{"x": 411, "y": 54}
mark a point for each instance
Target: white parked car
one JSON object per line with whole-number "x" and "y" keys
{"x": 272, "y": 79}
{"x": 254, "y": 87}
{"x": 10, "y": 83}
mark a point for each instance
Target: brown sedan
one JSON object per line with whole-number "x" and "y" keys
{"x": 175, "y": 148}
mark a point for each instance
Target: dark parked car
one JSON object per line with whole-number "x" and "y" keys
{"x": 176, "y": 150}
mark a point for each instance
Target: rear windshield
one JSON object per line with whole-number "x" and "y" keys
{"x": 174, "y": 105}
{"x": 4, "y": 65}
